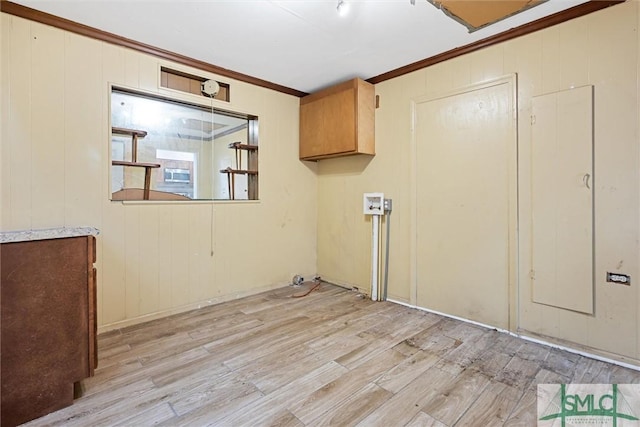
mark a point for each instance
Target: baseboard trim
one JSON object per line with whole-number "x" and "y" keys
{"x": 184, "y": 308}
{"x": 566, "y": 347}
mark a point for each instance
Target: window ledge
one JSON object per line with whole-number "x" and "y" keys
{"x": 185, "y": 202}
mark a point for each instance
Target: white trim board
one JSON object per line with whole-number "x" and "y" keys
{"x": 527, "y": 338}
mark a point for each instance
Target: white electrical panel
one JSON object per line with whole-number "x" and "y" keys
{"x": 373, "y": 204}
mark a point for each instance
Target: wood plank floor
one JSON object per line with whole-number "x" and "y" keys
{"x": 330, "y": 358}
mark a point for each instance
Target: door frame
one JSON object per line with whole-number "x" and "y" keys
{"x": 513, "y": 185}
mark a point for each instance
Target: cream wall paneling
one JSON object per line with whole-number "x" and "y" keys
{"x": 608, "y": 42}
{"x": 600, "y": 49}
{"x": 465, "y": 204}
{"x": 562, "y": 199}
{"x": 153, "y": 259}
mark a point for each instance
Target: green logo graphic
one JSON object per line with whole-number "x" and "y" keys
{"x": 605, "y": 407}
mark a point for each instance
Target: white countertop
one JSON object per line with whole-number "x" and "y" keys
{"x": 46, "y": 233}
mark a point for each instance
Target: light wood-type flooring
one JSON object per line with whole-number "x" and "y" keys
{"x": 330, "y": 358}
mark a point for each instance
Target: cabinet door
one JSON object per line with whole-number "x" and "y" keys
{"x": 339, "y": 116}
{"x": 44, "y": 325}
{"x": 311, "y": 128}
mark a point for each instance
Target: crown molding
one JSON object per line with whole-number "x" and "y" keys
{"x": 85, "y": 30}
{"x": 540, "y": 24}
{"x": 74, "y": 27}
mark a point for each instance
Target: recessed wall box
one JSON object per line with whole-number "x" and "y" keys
{"x": 373, "y": 204}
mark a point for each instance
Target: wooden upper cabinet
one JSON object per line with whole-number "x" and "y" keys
{"x": 338, "y": 121}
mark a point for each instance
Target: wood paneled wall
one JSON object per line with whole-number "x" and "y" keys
{"x": 600, "y": 49}
{"x": 153, "y": 258}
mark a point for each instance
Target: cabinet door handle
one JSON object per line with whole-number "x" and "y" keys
{"x": 585, "y": 179}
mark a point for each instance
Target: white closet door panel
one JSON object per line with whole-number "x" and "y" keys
{"x": 562, "y": 199}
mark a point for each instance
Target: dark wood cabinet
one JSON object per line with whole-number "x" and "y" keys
{"x": 48, "y": 330}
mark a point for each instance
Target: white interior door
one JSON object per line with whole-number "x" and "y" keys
{"x": 562, "y": 199}
{"x": 466, "y": 203}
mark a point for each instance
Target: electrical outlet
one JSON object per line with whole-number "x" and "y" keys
{"x": 388, "y": 205}
{"x": 623, "y": 279}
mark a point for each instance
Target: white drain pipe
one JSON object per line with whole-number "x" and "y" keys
{"x": 373, "y": 204}
{"x": 375, "y": 244}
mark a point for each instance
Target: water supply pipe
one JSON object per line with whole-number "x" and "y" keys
{"x": 375, "y": 244}
{"x": 387, "y": 219}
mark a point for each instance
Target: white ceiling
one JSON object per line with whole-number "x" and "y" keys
{"x": 301, "y": 44}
